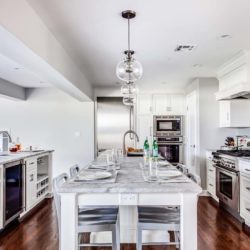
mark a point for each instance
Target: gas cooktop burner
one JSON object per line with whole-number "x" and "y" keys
{"x": 236, "y": 153}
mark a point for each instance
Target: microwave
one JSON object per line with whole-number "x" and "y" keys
{"x": 168, "y": 125}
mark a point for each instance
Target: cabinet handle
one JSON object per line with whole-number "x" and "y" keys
{"x": 32, "y": 163}
{"x": 247, "y": 169}
{"x": 211, "y": 185}
{"x": 248, "y": 188}
{"x": 32, "y": 177}
{"x": 248, "y": 209}
{"x": 210, "y": 170}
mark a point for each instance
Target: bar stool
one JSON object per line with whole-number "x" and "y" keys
{"x": 74, "y": 170}
{"x": 158, "y": 218}
{"x": 89, "y": 220}
{"x": 194, "y": 177}
{"x": 182, "y": 168}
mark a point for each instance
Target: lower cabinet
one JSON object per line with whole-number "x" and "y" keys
{"x": 211, "y": 177}
{"x": 245, "y": 198}
{"x": 31, "y": 182}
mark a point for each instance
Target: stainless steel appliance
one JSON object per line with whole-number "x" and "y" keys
{"x": 168, "y": 125}
{"x": 227, "y": 178}
{"x": 113, "y": 119}
{"x": 171, "y": 148}
{"x": 13, "y": 191}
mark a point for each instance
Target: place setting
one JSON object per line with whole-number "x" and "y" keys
{"x": 158, "y": 172}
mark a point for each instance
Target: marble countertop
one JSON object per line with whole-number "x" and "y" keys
{"x": 21, "y": 155}
{"x": 130, "y": 180}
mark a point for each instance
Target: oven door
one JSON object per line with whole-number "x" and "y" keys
{"x": 227, "y": 187}
{"x": 167, "y": 127}
{"x": 171, "y": 152}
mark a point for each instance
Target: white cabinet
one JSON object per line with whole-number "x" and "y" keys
{"x": 144, "y": 104}
{"x": 211, "y": 176}
{"x": 1, "y": 196}
{"x": 244, "y": 166}
{"x": 31, "y": 182}
{"x": 144, "y": 129}
{"x": 234, "y": 113}
{"x": 168, "y": 104}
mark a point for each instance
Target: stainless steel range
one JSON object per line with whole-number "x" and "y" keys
{"x": 227, "y": 178}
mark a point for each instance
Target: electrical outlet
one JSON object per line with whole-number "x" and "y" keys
{"x": 128, "y": 199}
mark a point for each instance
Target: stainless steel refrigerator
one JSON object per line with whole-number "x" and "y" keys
{"x": 112, "y": 121}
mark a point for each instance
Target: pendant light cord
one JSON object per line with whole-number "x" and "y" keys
{"x": 129, "y": 34}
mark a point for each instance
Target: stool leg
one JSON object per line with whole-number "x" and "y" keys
{"x": 114, "y": 238}
{"x": 117, "y": 228}
{"x": 139, "y": 238}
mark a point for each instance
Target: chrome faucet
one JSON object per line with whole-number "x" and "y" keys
{"x": 6, "y": 133}
{"x": 124, "y": 137}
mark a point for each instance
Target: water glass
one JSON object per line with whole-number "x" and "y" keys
{"x": 153, "y": 170}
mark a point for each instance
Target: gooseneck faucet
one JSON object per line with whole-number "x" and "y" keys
{"x": 6, "y": 133}
{"x": 124, "y": 137}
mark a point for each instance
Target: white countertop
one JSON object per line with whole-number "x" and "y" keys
{"x": 130, "y": 180}
{"x": 20, "y": 155}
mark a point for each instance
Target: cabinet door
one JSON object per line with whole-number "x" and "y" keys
{"x": 224, "y": 114}
{"x": 162, "y": 104}
{"x": 177, "y": 104}
{"x": 1, "y": 196}
{"x": 144, "y": 129}
{"x": 31, "y": 182}
{"x": 144, "y": 104}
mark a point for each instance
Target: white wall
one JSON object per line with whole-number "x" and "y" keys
{"x": 210, "y": 135}
{"x": 51, "y": 119}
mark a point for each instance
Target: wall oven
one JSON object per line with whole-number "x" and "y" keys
{"x": 13, "y": 191}
{"x": 171, "y": 149}
{"x": 168, "y": 125}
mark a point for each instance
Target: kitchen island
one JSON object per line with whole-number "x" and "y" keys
{"x": 128, "y": 191}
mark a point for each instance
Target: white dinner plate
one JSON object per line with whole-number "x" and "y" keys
{"x": 100, "y": 164}
{"x": 169, "y": 174}
{"x": 94, "y": 176}
{"x": 163, "y": 163}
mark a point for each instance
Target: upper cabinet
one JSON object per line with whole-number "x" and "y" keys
{"x": 234, "y": 113}
{"x": 144, "y": 104}
{"x": 168, "y": 104}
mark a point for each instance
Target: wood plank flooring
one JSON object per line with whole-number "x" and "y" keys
{"x": 217, "y": 230}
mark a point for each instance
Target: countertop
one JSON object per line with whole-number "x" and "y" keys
{"x": 21, "y": 155}
{"x": 130, "y": 180}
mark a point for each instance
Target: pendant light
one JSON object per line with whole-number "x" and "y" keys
{"x": 129, "y": 69}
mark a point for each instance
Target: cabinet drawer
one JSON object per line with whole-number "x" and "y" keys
{"x": 31, "y": 163}
{"x": 245, "y": 208}
{"x": 245, "y": 187}
{"x": 211, "y": 172}
{"x": 211, "y": 185}
{"x": 244, "y": 166}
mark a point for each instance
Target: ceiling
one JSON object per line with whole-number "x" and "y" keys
{"x": 15, "y": 73}
{"x": 95, "y": 35}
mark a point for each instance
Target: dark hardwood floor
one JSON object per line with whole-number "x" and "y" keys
{"x": 217, "y": 230}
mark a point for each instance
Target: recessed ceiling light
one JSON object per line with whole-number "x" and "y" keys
{"x": 224, "y": 37}
{"x": 197, "y": 65}
{"x": 16, "y": 68}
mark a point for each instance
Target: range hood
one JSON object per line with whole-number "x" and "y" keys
{"x": 234, "y": 78}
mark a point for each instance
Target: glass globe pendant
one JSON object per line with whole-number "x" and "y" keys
{"x": 129, "y": 89}
{"x": 129, "y": 100}
{"x": 129, "y": 70}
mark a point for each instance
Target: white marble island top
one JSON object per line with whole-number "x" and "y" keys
{"x": 130, "y": 180}
{"x": 21, "y": 155}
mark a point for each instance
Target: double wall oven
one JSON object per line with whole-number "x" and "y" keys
{"x": 168, "y": 130}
